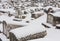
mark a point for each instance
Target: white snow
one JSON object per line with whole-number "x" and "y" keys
{"x": 33, "y": 8}
{"x": 8, "y": 10}
{"x": 56, "y": 11}
{"x": 54, "y": 8}
{"x": 56, "y": 14}
{"x": 10, "y": 20}
{"x": 39, "y": 12}
{"x": 3, "y": 0}
{"x": 33, "y": 27}
{"x": 52, "y": 35}
{"x": 3, "y": 37}
{"x": 1, "y": 27}
{"x": 58, "y": 25}
{"x": 49, "y": 25}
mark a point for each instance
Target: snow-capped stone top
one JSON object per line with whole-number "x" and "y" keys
{"x": 56, "y": 14}
{"x": 27, "y": 30}
{"x": 39, "y": 12}
{"x": 58, "y": 25}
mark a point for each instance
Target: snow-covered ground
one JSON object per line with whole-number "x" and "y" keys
{"x": 3, "y": 37}
{"x": 52, "y": 35}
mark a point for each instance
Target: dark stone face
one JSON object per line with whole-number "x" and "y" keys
{"x": 50, "y": 10}
{"x": 27, "y": 21}
{"x": 11, "y": 1}
{"x": 0, "y": 39}
{"x": 46, "y": 11}
{"x": 0, "y": 31}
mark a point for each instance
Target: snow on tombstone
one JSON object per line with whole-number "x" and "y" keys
{"x": 27, "y": 33}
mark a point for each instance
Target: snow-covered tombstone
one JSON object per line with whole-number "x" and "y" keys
{"x": 37, "y": 13}
{"x": 27, "y": 33}
{"x": 54, "y": 18}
